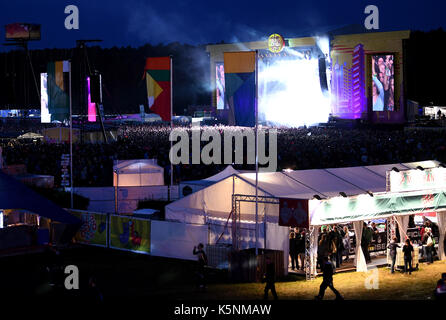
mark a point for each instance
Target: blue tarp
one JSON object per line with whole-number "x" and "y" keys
{"x": 15, "y": 195}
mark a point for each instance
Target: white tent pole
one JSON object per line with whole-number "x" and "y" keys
{"x": 71, "y": 136}
{"x": 171, "y": 122}
{"x": 256, "y": 150}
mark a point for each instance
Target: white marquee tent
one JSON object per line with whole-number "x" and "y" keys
{"x": 137, "y": 173}
{"x": 212, "y": 204}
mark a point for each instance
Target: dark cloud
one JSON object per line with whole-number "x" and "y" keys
{"x": 135, "y": 22}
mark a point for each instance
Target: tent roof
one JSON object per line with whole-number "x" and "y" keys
{"x": 136, "y": 166}
{"x": 227, "y": 172}
{"x": 326, "y": 183}
{"x": 15, "y": 195}
{"x": 145, "y": 211}
{"x": 30, "y": 135}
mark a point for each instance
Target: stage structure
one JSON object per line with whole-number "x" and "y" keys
{"x": 304, "y": 81}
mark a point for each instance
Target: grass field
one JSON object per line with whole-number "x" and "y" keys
{"x": 126, "y": 274}
{"x": 352, "y": 285}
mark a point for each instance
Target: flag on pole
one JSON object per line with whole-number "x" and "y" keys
{"x": 240, "y": 87}
{"x": 158, "y": 80}
{"x": 58, "y": 92}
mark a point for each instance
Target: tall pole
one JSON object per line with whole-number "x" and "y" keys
{"x": 171, "y": 122}
{"x": 256, "y": 149}
{"x": 71, "y": 135}
{"x": 32, "y": 68}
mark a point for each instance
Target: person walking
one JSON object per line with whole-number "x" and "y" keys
{"x": 346, "y": 243}
{"x": 301, "y": 250}
{"x": 293, "y": 251}
{"x": 367, "y": 235}
{"x": 270, "y": 278}
{"x": 392, "y": 247}
{"x": 202, "y": 262}
{"x": 408, "y": 256}
{"x": 339, "y": 246}
{"x": 322, "y": 250}
{"x": 332, "y": 247}
{"x": 327, "y": 282}
{"x": 430, "y": 243}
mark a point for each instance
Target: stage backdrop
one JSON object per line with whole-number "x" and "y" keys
{"x": 352, "y": 75}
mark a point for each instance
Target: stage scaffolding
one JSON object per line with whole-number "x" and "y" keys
{"x": 236, "y": 214}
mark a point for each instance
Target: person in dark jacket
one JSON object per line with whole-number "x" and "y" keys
{"x": 337, "y": 237}
{"x": 94, "y": 294}
{"x": 202, "y": 262}
{"x": 300, "y": 247}
{"x": 440, "y": 290}
{"x": 322, "y": 249}
{"x": 270, "y": 278}
{"x": 392, "y": 252}
{"x": 367, "y": 235}
{"x": 293, "y": 251}
{"x": 408, "y": 256}
{"x": 327, "y": 271}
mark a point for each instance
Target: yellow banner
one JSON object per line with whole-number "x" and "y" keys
{"x": 93, "y": 230}
{"x": 130, "y": 234}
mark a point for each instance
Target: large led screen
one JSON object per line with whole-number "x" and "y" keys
{"x": 383, "y": 82}
{"x": 220, "y": 85}
{"x": 45, "y": 116}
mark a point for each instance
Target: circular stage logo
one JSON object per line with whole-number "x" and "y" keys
{"x": 276, "y": 43}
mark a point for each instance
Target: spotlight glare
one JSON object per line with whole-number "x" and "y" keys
{"x": 290, "y": 92}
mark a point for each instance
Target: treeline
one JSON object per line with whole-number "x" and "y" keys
{"x": 122, "y": 70}
{"x": 425, "y": 67}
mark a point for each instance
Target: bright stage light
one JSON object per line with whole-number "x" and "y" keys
{"x": 290, "y": 92}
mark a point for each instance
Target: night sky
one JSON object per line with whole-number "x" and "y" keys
{"x": 136, "y": 22}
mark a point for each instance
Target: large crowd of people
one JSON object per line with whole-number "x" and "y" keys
{"x": 297, "y": 148}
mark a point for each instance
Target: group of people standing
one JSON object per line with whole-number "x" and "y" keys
{"x": 333, "y": 243}
{"x": 297, "y": 249}
{"x": 428, "y": 249}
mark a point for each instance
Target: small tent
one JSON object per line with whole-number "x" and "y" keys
{"x": 30, "y": 135}
{"x": 137, "y": 173}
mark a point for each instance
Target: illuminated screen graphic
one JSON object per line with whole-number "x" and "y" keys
{"x": 45, "y": 116}
{"x": 91, "y": 106}
{"x": 220, "y": 85}
{"x": 383, "y": 82}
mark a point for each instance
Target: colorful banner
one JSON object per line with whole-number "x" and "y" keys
{"x": 157, "y": 74}
{"x": 240, "y": 87}
{"x": 130, "y": 234}
{"x": 93, "y": 230}
{"x": 293, "y": 213}
{"x": 57, "y": 85}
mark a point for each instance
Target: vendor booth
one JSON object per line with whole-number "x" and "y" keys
{"x": 28, "y": 219}
{"x": 310, "y": 199}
